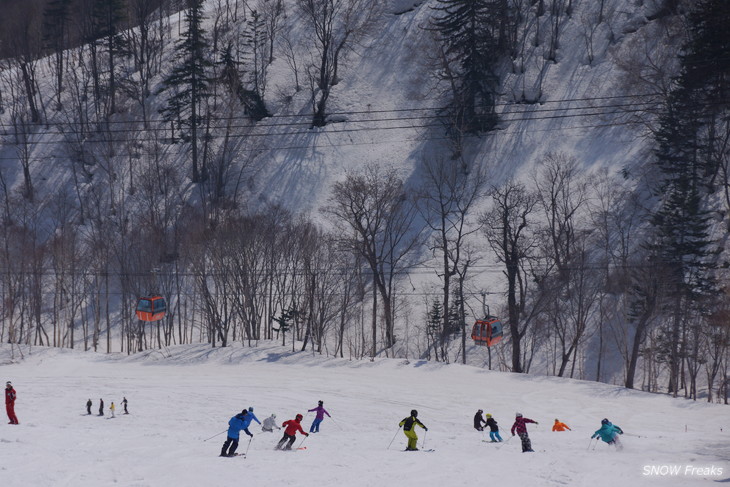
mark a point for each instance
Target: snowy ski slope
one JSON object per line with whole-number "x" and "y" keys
{"x": 182, "y": 397}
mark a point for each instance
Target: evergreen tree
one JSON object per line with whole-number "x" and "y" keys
{"x": 108, "y": 17}
{"x": 681, "y": 235}
{"x": 473, "y": 37}
{"x": 434, "y": 324}
{"x": 188, "y": 84}
{"x": 56, "y": 18}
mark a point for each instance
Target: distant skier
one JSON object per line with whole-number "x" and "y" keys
{"x": 101, "y": 407}
{"x": 112, "y": 409}
{"x": 124, "y": 403}
{"x": 235, "y": 425}
{"x": 493, "y": 429}
{"x": 250, "y": 416}
{"x": 270, "y": 424}
{"x": 479, "y": 421}
{"x": 88, "y": 406}
{"x": 321, "y": 411}
{"x": 558, "y": 426}
{"x": 521, "y": 427}
{"x": 409, "y": 429}
{"x": 10, "y": 396}
{"x": 609, "y": 432}
{"x": 290, "y": 432}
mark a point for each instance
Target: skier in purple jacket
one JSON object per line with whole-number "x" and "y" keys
{"x": 321, "y": 411}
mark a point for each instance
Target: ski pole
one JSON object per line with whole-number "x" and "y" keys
{"x": 589, "y": 443}
{"x": 302, "y": 442}
{"x": 391, "y": 441}
{"x": 248, "y": 446}
{"x": 423, "y": 444}
{"x": 505, "y": 442}
{"x": 336, "y": 423}
{"x": 215, "y": 435}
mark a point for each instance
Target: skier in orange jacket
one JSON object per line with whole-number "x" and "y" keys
{"x": 558, "y": 426}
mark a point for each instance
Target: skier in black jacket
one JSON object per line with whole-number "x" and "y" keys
{"x": 409, "y": 430}
{"x": 479, "y": 421}
{"x": 493, "y": 429}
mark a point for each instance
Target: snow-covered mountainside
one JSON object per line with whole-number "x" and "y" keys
{"x": 104, "y": 197}
{"x": 180, "y": 401}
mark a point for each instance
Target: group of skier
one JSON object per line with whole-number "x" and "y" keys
{"x": 608, "y": 432}
{"x": 242, "y": 421}
{"x": 112, "y": 407}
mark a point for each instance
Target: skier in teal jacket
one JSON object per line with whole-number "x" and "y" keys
{"x": 609, "y": 433}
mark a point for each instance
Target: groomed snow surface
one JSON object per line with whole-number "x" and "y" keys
{"x": 179, "y": 398}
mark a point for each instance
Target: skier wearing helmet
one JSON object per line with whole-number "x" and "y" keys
{"x": 235, "y": 425}
{"x": 290, "y": 431}
{"x": 493, "y": 429}
{"x": 609, "y": 432}
{"x": 321, "y": 411}
{"x": 270, "y": 424}
{"x": 409, "y": 429}
{"x": 247, "y": 420}
{"x": 521, "y": 427}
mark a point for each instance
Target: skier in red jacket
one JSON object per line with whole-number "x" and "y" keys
{"x": 290, "y": 432}
{"x": 10, "y": 396}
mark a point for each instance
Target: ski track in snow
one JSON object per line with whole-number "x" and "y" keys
{"x": 178, "y": 402}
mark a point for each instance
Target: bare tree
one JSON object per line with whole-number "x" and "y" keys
{"x": 449, "y": 193}
{"x": 380, "y": 220}
{"x": 335, "y": 27}
{"x": 508, "y": 228}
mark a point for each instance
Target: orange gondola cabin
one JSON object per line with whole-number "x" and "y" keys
{"x": 487, "y": 331}
{"x": 151, "y": 308}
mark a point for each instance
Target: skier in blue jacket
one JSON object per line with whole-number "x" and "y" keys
{"x": 235, "y": 425}
{"x": 250, "y": 417}
{"x": 609, "y": 433}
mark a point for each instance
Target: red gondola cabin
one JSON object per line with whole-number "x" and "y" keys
{"x": 151, "y": 308}
{"x": 487, "y": 332}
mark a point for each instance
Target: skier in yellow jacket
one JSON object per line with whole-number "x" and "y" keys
{"x": 409, "y": 429}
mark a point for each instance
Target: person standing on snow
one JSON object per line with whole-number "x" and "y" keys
{"x": 124, "y": 403}
{"x": 290, "y": 432}
{"x": 558, "y": 426}
{"x": 88, "y": 406}
{"x": 10, "y": 396}
{"x": 270, "y": 424}
{"x": 521, "y": 427}
{"x": 235, "y": 425}
{"x": 321, "y": 411}
{"x": 409, "y": 429}
{"x": 479, "y": 421}
{"x": 101, "y": 407}
{"x": 609, "y": 432}
{"x": 493, "y": 429}
{"x": 112, "y": 409}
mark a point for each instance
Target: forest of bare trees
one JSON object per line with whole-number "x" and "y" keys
{"x": 150, "y": 107}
